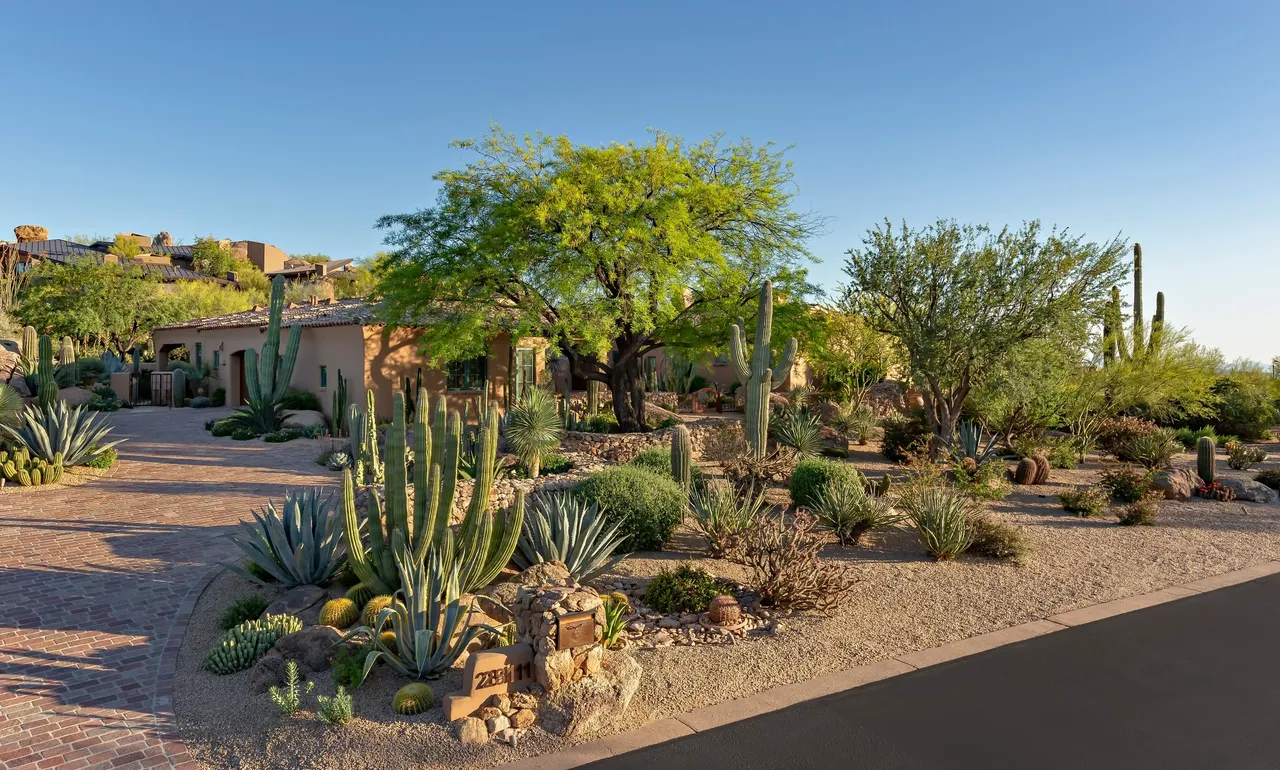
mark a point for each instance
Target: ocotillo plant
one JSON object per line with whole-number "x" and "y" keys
{"x": 682, "y": 457}
{"x": 267, "y": 375}
{"x": 1115, "y": 346}
{"x": 338, "y": 410}
{"x": 758, "y": 377}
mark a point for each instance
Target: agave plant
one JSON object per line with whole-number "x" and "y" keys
{"x": 721, "y": 516}
{"x": 969, "y": 445}
{"x": 849, "y": 510}
{"x": 801, "y": 431}
{"x": 565, "y": 528}
{"x": 338, "y": 461}
{"x": 77, "y": 434}
{"x": 298, "y": 544}
{"x": 534, "y": 428}
{"x": 430, "y": 625}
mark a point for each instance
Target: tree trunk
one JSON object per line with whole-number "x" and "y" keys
{"x": 628, "y": 396}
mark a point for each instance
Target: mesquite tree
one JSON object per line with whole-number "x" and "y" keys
{"x": 608, "y": 252}
{"x": 961, "y": 298}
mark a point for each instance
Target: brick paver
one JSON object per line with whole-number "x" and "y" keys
{"x": 97, "y": 582}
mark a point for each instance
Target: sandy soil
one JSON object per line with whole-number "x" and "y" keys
{"x": 904, "y": 602}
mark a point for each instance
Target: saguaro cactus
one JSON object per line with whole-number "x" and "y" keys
{"x": 682, "y": 456}
{"x": 267, "y": 375}
{"x": 1115, "y": 345}
{"x": 1206, "y": 459}
{"x": 47, "y": 389}
{"x": 756, "y": 374}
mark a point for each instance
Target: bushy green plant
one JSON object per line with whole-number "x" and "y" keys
{"x": 1270, "y": 478}
{"x": 347, "y": 667}
{"x": 1085, "y": 502}
{"x": 72, "y": 436}
{"x": 563, "y": 527}
{"x": 1242, "y": 456}
{"x": 1226, "y": 438}
{"x": 301, "y": 400}
{"x": 1142, "y": 511}
{"x": 817, "y": 473}
{"x": 1153, "y": 450}
{"x": 799, "y": 430}
{"x": 616, "y": 608}
{"x": 103, "y": 460}
{"x": 1127, "y": 484}
{"x": 300, "y": 543}
{"x": 243, "y": 433}
{"x": 103, "y": 399}
{"x": 721, "y": 516}
{"x": 997, "y": 540}
{"x": 658, "y": 460}
{"x": 200, "y": 402}
{"x": 1117, "y": 433}
{"x": 984, "y": 482}
{"x": 684, "y": 589}
{"x": 941, "y": 518}
{"x": 1245, "y": 406}
{"x": 247, "y": 608}
{"x": 854, "y": 421}
{"x": 280, "y": 436}
{"x": 904, "y": 434}
{"x": 1188, "y": 437}
{"x": 223, "y": 428}
{"x": 337, "y": 710}
{"x": 554, "y": 464}
{"x": 289, "y": 697}
{"x": 647, "y": 505}
{"x": 848, "y": 510}
{"x": 534, "y": 428}
{"x": 240, "y": 647}
{"x": 839, "y": 453}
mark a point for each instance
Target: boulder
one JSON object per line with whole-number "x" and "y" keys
{"x": 75, "y": 396}
{"x": 19, "y": 383}
{"x": 1177, "y": 484}
{"x": 523, "y": 719}
{"x": 304, "y": 418}
{"x": 295, "y": 601}
{"x": 268, "y": 672}
{"x": 29, "y": 233}
{"x": 471, "y": 731}
{"x": 498, "y": 600}
{"x": 591, "y": 703}
{"x": 311, "y": 646}
{"x": 162, "y": 239}
{"x": 1251, "y": 491}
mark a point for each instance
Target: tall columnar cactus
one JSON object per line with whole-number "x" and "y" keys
{"x": 137, "y": 360}
{"x": 364, "y": 442}
{"x": 179, "y": 387}
{"x": 682, "y": 457}
{"x": 1206, "y": 459}
{"x": 338, "y": 410}
{"x": 47, "y": 388}
{"x": 756, "y": 374}
{"x": 593, "y": 397}
{"x": 30, "y": 342}
{"x": 67, "y": 353}
{"x": 1115, "y": 346}
{"x": 267, "y": 375}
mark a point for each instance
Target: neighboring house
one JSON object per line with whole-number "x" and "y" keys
{"x": 168, "y": 263}
{"x": 344, "y": 335}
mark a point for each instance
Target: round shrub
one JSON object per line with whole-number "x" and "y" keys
{"x": 240, "y": 434}
{"x": 223, "y": 428}
{"x": 303, "y": 400}
{"x": 648, "y": 505}
{"x": 1245, "y": 406}
{"x": 684, "y": 589}
{"x": 413, "y": 698}
{"x": 658, "y": 460}
{"x": 905, "y": 434}
{"x": 104, "y": 459}
{"x": 814, "y": 474}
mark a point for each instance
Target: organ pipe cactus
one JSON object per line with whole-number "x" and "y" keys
{"x": 299, "y": 543}
{"x": 364, "y": 443}
{"x": 267, "y": 375}
{"x": 338, "y": 410}
{"x": 1206, "y": 460}
{"x": 682, "y": 457}
{"x": 758, "y": 377}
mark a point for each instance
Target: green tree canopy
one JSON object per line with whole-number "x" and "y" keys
{"x": 961, "y": 300}
{"x": 617, "y": 248}
{"x": 108, "y": 305}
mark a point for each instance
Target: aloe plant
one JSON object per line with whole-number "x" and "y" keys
{"x": 267, "y": 376}
{"x": 565, "y": 528}
{"x": 78, "y": 435}
{"x": 298, "y": 544}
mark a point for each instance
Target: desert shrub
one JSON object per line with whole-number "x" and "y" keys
{"x": 941, "y": 518}
{"x": 785, "y": 569}
{"x": 1242, "y": 456}
{"x": 90, "y": 369}
{"x": 846, "y": 508}
{"x": 1143, "y": 510}
{"x": 648, "y": 505}
{"x": 658, "y": 460}
{"x": 602, "y": 423}
{"x": 984, "y": 482}
{"x": 854, "y": 422}
{"x": 200, "y": 402}
{"x": 337, "y": 710}
{"x": 219, "y": 397}
{"x": 684, "y": 589}
{"x": 840, "y": 453}
{"x": 1224, "y": 439}
{"x": 724, "y": 443}
{"x": 248, "y": 608}
{"x": 1188, "y": 437}
{"x": 103, "y": 399}
{"x": 816, "y": 473}
{"x": 556, "y": 464}
{"x": 289, "y": 697}
{"x": 1126, "y": 483}
{"x": 1117, "y": 432}
{"x": 103, "y": 460}
{"x": 1154, "y": 450}
{"x": 1085, "y": 502}
{"x": 223, "y": 428}
{"x": 280, "y": 436}
{"x": 301, "y": 400}
{"x": 1246, "y": 406}
{"x": 997, "y": 540}
{"x": 721, "y": 516}
{"x": 347, "y": 666}
{"x": 1062, "y": 453}
{"x": 1270, "y": 478}
{"x": 243, "y": 433}
{"x": 904, "y": 434}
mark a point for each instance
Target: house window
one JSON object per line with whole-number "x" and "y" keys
{"x": 468, "y": 375}
{"x": 199, "y": 354}
{"x": 722, "y": 359}
{"x": 526, "y": 370}
{"x": 324, "y": 376}
{"x": 217, "y": 361}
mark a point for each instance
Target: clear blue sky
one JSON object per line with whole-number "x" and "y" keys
{"x": 300, "y": 123}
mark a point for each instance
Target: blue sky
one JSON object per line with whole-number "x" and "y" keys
{"x": 300, "y": 123}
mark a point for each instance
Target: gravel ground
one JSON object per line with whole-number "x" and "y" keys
{"x": 904, "y": 602}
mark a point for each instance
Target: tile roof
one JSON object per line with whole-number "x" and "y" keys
{"x": 343, "y": 312}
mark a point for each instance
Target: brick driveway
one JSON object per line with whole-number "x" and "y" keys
{"x": 96, "y": 583}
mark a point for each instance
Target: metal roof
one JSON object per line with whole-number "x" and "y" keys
{"x": 65, "y": 252}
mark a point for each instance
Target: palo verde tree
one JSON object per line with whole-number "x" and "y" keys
{"x": 608, "y": 252}
{"x": 961, "y": 299}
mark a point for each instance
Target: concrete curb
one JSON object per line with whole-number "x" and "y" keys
{"x": 720, "y": 714}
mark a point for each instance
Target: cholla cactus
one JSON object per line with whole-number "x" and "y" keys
{"x": 758, "y": 378}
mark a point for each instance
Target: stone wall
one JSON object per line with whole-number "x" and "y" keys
{"x": 623, "y": 447}
{"x": 537, "y": 610}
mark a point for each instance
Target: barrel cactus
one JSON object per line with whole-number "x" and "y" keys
{"x": 1026, "y": 471}
{"x": 339, "y": 613}
{"x": 758, "y": 377}
{"x": 682, "y": 456}
{"x": 241, "y": 647}
{"x": 374, "y": 606}
{"x": 1042, "y": 469}
{"x": 360, "y": 594}
{"x": 413, "y": 698}
{"x": 724, "y": 610}
{"x": 1206, "y": 459}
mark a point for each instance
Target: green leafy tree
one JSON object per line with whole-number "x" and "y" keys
{"x": 188, "y": 300}
{"x": 211, "y": 257}
{"x": 960, "y": 299}
{"x": 108, "y": 305}
{"x": 125, "y": 247}
{"x": 314, "y": 259}
{"x": 614, "y": 249}
{"x": 846, "y": 354}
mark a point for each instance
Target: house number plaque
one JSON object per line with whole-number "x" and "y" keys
{"x": 487, "y": 673}
{"x": 575, "y": 630}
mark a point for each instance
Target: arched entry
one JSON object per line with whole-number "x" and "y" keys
{"x": 236, "y": 390}
{"x": 162, "y": 356}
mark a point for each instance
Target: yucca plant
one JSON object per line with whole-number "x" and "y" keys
{"x": 1154, "y": 450}
{"x": 430, "y": 626}
{"x": 721, "y": 516}
{"x": 10, "y": 405}
{"x": 941, "y": 518}
{"x": 801, "y": 431}
{"x": 534, "y": 428}
{"x": 847, "y": 509}
{"x": 854, "y": 422}
{"x": 78, "y": 435}
{"x": 565, "y": 528}
{"x": 299, "y": 543}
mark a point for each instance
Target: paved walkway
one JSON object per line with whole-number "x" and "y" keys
{"x": 1194, "y": 683}
{"x": 96, "y": 583}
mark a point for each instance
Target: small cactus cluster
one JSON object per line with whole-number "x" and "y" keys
{"x": 1217, "y": 491}
{"x": 682, "y": 457}
{"x": 1206, "y": 460}
{"x": 19, "y": 466}
{"x": 1031, "y": 470}
{"x": 241, "y": 647}
{"x": 373, "y": 607}
{"x": 413, "y": 698}
{"x": 339, "y": 613}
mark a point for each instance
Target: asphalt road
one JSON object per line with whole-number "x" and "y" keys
{"x": 1193, "y": 683}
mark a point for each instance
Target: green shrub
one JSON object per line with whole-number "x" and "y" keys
{"x": 347, "y": 666}
{"x": 1127, "y": 484}
{"x": 941, "y": 517}
{"x": 816, "y": 473}
{"x": 1188, "y": 437}
{"x": 1116, "y": 433}
{"x": 556, "y": 464}
{"x": 1142, "y": 511}
{"x": 684, "y": 589}
{"x": 1085, "y": 502}
{"x": 835, "y": 451}
{"x": 602, "y": 423}
{"x": 243, "y": 433}
{"x": 301, "y": 400}
{"x": 223, "y": 428}
{"x": 1270, "y": 478}
{"x": 103, "y": 460}
{"x": 1224, "y": 439}
{"x": 848, "y": 510}
{"x": 103, "y": 399}
{"x": 1154, "y": 450}
{"x": 279, "y": 436}
{"x": 905, "y": 434}
{"x": 200, "y": 402}
{"x": 997, "y": 540}
{"x": 649, "y": 506}
{"x": 248, "y": 608}
{"x": 219, "y": 397}
{"x": 1246, "y": 406}
{"x": 658, "y": 460}
{"x": 1242, "y": 456}
{"x": 1062, "y": 454}
{"x": 987, "y": 482}
{"x": 255, "y": 569}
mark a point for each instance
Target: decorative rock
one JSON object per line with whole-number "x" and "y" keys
{"x": 500, "y": 600}
{"x": 508, "y": 736}
{"x": 669, "y": 622}
{"x": 502, "y": 702}
{"x": 20, "y": 384}
{"x": 74, "y": 396}
{"x": 590, "y": 703}
{"x": 471, "y": 731}
{"x": 311, "y": 646}
{"x": 304, "y": 418}
{"x": 1179, "y": 484}
{"x": 546, "y": 573}
{"x": 268, "y": 672}
{"x": 1250, "y": 491}
{"x": 523, "y": 718}
{"x": 497, "y": 724}
{"x": 489, "y": 712}
{"x": 29, "y": 233}
{"x": 523, "y": 700}
{"x": 295, "y": 601}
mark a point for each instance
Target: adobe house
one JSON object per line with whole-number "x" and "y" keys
{"x": 344, "y": 335}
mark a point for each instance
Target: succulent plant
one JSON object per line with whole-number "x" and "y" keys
{"x": 682, "y": 456}
{"x": 339, "y": 613}
{"x": 758, "y": 377}
{"x": 1026, "y": 471}
{"x": 724, "y": 610}
{"x": 363, "y": 429}
{"x": 179, "y": 387}
{"x": 300, "y": 543}
{"x": 1216, "y": 491}
{"x": 565, "y": 528}
{"x": 338, "y": 461}
{"x": 1115, "y": 346}
{"x": 1206, "y": 459}
{"x": 241, "y": 647}
{"x": 1042, "y": 469}
{"x": 534, "y": 428}
{"x": 20, "y": 467}
{"x": 374, "y": 606}
{"x": 267, "y": 376}
{"x": 75, "y": 435}
{"x": 360, "y": 594}
{"x": 969, "y": 446}
{"x": 413, "y": 698}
